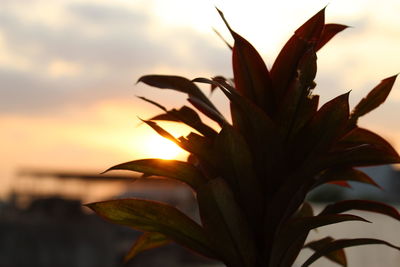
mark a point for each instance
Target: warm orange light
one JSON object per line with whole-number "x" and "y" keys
{"x": 160, "y": 147}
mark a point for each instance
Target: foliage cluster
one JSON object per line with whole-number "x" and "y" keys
{"x": 251, "y": 177}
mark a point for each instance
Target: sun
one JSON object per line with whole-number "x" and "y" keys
{"x": 159, "y": 147}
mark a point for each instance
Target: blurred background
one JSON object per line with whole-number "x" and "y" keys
{"x": 68, "y": 111}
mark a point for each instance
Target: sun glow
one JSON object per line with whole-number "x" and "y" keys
{"x": 160, "y": 147}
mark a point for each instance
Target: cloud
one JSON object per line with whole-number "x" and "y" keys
{"x": 97, "y": 51}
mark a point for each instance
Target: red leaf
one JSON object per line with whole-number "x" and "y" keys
{"x": 359, "y": 136}
{"x": 337, "y": 256}
{"x": 297, "y": 98}
{"x": 329, "y": 31}
{"x": 284, "y": 68}
{"x": 374, "y": 98}
{"x": 341, "y": 183}
{"x": 251, "y": 75}
{"x": 324, "y": 129}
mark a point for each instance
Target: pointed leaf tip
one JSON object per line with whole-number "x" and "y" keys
{"x": 221, "y": 14}
{"x": 330, "y": 30}
{"x": 311, "y": 30}
{"x": 146, "y": 241}
{"x": 374, "y": 98}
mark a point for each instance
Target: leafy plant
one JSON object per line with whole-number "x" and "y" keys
{"x": 252, "y": 175}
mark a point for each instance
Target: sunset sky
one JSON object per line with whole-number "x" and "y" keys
{"x": 68, "y": 69}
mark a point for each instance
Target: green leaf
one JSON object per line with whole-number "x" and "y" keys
{"x": 344, "y": 175}
{"x": 179, "y": 170}
{"x": 374, "y": 99}
{"x": 344, "y": 243}
{"x": 284, "y": 68}
{"x": 297, "y": 229}
{"x": 329, "y": 31}
{"x": 145, "y": 242}
{"x": 337, "y": 256}
{"x": 225, "y": 224}
{"x": 152, "y": 216}
{"x": 364, "y": 205}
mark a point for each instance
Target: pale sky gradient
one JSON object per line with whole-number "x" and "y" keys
{"x": 68, "y": 68}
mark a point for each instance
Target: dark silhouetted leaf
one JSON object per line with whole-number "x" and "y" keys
{"x": 177, "y": 83}
{"x": 324, "y": 129}
{"x": 174, "y": 169}
{"x": 297, "y": 95}
{"x": 250, "y": 72}
{"x": 298, "y": 228}
{"x": 201, "y": 147}
{"x": 152, "y": 216}
{"x": 145, "y": 242}
{"x": 374, "y": 99}
{"x": 306, "y": 210}
{"x": 284, "y": 68}
{"x": 235, "y": 165}
{"x": 359, "y": 136}
{"x": 207, "y": 110}
{"x": 364, "y": 205}
{"x": 189, "y": 117}
{"x": 360, "y": 156}
{"x": 225, "y": 224}
{"x": 152, "y": 102}
{"x": 161, "y": 131}
{"x": 305, "y": 113}
{"x": 297, "y": 244}
{"x": 223, "y": 39}
{"x": 344, "y": 243}
{"x": 337, "y": 256}
{"x": 259, "y": 131}
{"x": 344, "y": 174}
{"x": 329, "y": 31}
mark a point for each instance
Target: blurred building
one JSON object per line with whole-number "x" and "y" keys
{"x": 43, "y": 223}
